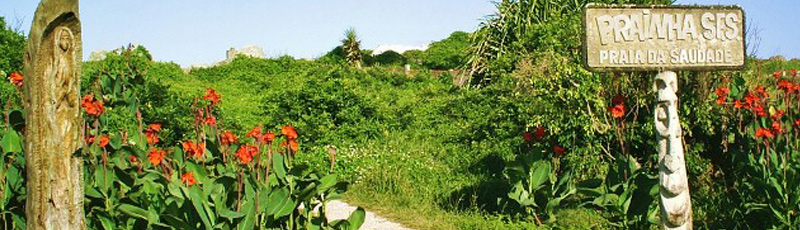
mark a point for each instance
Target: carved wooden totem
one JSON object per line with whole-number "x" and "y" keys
{"x": 676, "y": 205}
{"x": 52, "y": 119}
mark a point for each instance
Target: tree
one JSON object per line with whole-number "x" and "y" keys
{"x": 351, "y": 47}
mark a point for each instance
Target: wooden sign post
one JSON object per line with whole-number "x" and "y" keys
{"x": 665, "y": 39}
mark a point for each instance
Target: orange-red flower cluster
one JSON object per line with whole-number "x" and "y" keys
{"x": 777, "y": 74}
{"x": 194, "y": 150}
{"x": 152, "y": 133}
{"x": 290, "y": 134}
{"x": 91, "y": 106}
{"x": 255, "y": 133}
{"x": 212, "y": 96}
{"x": 722, "y": 94}
{"x": 268, "y": 137}
{"x": 228, "y": 138}
{"x": 156, "y": 156}
{"x": 103, "y": 141}
{"x": 15, "y": 78}
{"x": 618, "y": 109}
{"x": 188, "y": 178}
{"x": 776, "y": 127}
{"x": 210, "y": 120}
{"x": 246, "y": 153}
{"x": 764, "y": 133}
{"x": 788, "y": 87}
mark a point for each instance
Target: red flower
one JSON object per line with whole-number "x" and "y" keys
{"x": 268, "y": 137}
{"x": 293, "y": 145}
{"x": 151, "y": 133}
{"x": 91, "y": 106}
{"x": 777, "y": 74}
{"x": 133, "y": 159}
{"x": 228, "y": 138}
{"x": 764, "y": 133}
{"x": 617, "y": 111}
{"x": 255, "y": 133}
{"x": 793, "y": 72}
{"x": 777, "y": 115}
{"x": 797, "y": 122}
{"x": 152, "y": 138}
{"x": 245, "y": 153}
{"x": 156, "y": 156}
{"x": 212, "y": 96}
{"x": 722, "y": 94}
{"x": 759, "y": 110}
{"x": 194, "y": 150}
{"x": 737, "y": 104}
{"x": 188, "y": 178}
{"x": 103, "y": 141}
{"x": 15, "y": 78}
{"x": 89, "y": 140}
{"x": 722, "y": 91}
{"x": 786, "y": 86}
{"x": 559, "y": 150}
{"x": 776, "y": 127}
{"x": 211, "y": 120}
{"x": 618, "y": 99}
{"x": 289, "y": 132}
{"x": 154, "y": 127}
{"x": 761, "y": 91}
{"x": 527, "y": 136}
{"x": 539, "y": 134}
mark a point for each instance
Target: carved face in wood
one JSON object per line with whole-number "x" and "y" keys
{"x": 64, "y": 38}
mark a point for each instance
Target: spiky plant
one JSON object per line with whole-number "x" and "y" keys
{"x": 351, "y": 47}
{"x": 511, "y": 31}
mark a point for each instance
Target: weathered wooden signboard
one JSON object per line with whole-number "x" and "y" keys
{"x": 643, "y": 38}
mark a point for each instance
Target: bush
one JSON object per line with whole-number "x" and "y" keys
{"x": 449, "y": 53}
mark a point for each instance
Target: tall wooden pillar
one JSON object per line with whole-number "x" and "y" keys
{"x": 52, "y": 119}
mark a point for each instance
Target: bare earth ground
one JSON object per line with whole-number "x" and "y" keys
{"x": 339, "y": 210}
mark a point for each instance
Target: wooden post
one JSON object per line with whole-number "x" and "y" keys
{"x": 52, "y": 119}
{"x": 676, "y": 205}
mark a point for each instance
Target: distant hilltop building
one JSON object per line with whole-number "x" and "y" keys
{"x": 251, "y": 50}
{"x": 397, "y": 48}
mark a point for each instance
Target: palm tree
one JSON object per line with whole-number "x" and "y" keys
{"x": 351, "y": 47}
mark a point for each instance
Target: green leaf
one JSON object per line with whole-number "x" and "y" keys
{"x": 539, "y": 175}
{"x": 327, "y": 182}
{"x": 198, "y": 203}
{"x": 116, "y": 141}
{"x": 277, "y": 166}
{"x": 356, "y": 218}
{"x": 134, "y": 211}
{"x": 12, "y": 142}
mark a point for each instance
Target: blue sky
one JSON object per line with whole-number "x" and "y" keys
{"x": 199, "y": 31}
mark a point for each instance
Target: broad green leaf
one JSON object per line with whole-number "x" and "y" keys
{"x": 194, "y": 195}
{"x": 12, "y": 142}
{"x": 539, "y": 175}
{"x": 134, "y": 211}
{"x": 356, "y": 218}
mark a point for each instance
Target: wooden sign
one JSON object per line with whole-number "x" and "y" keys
{"x": 647, "y": 38}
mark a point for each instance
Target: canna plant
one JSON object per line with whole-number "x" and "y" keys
{"x": 134, "y": 179}
{"x": 539, "y": 180}
{"x": 761, "y": 129}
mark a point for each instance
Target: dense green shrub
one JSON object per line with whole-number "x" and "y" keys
{"x": 449, "y": 53}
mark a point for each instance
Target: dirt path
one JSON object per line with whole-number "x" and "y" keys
{"x": 339, "y": 210}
